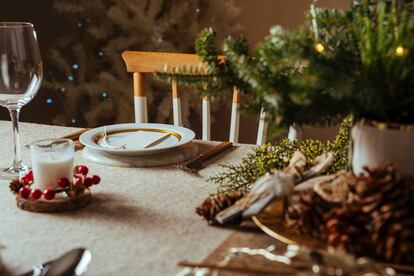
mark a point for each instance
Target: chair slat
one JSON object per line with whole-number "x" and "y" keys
{"x": 139, "y": 62}
{"x": 140, "y": 99}
{"x": 235, "y": 117}
{"x": 148, "y": 62}
{"x": 295, "y": 132}
{"x": 176, "y": 104}
{"x": 262, "y": 130}
{"x": 206, "y": 119}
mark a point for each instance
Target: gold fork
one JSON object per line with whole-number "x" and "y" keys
{"x": 75, "y": 138}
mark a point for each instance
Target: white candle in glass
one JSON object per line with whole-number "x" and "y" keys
{"x": 51, "y": 160}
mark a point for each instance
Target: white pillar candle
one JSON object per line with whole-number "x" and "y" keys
{"x": 51, "y": 160}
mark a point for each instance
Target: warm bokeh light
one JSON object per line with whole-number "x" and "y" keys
{"x": 319, "y": 47}
{"x": 400, "y": 51}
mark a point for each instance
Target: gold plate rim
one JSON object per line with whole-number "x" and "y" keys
{"x": 95, "y": 139}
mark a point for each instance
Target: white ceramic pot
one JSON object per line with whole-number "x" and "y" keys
{"x": 378, "y": 143}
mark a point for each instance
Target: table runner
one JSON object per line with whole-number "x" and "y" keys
{"x": 141, "y": 221}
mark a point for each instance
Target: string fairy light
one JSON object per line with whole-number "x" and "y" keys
{"x": 104, "y": 95}
{"x": 319, "y": 47}
{"x": 400, "y": 51}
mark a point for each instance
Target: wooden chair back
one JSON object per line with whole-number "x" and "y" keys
{"x": 141, "y": 63}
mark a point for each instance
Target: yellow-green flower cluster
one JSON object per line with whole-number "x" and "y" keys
{"x": 240, "y": 177}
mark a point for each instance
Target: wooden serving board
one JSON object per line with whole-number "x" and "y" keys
{"x": 58, "y": 204}
{"x": 272, "y": 222}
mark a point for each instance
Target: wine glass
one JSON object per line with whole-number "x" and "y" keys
{"x": 20, "y": 78}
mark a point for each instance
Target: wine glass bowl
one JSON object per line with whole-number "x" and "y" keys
{"x": 21, "y": 74}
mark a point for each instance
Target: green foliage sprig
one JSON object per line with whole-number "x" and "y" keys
{"x": 239, "y": 177}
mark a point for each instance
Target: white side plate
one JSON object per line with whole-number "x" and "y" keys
{"x": 178, "y": 136}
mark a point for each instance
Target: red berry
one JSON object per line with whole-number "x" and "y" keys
{"x": 78, "y": 180}
{"x": 24, "y": 191}
{"x": 82, "y": 170}
{"x": 35, "y": 194}
{"x": 28, "y": 178}
{"x": 29, "y": 175}
{"x": 88, "y": 181}
{"x": 49, "y": 194}
{"x": 63, "y": 182}
{"x": 96, "y": 179}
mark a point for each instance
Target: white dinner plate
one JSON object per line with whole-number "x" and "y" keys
{"x": 176, "y": 137}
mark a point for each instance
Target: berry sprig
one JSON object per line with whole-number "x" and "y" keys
{"x": 81, "y": 181}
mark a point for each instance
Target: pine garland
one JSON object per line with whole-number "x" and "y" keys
{"x": 239, "y": 177}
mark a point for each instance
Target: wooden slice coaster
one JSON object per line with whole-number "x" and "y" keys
{"x": 59, "y": 204}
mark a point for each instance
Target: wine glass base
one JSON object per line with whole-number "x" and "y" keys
{"x": 14, "y": 172}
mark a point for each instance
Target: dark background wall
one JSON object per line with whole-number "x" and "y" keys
{"x": 256, "y": 16}
{"x": 49, "y": 26}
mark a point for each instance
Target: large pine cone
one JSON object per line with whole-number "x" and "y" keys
{"x": 375, "y": 219}
{"x": 314, "y": 198}
{"x": 214, "y": 205}
{"x": 388, "y": 197}
{"x": 305, "y": 213}
{"x": 349, "y": 230}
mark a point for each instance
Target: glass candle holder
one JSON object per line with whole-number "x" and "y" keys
{"x": 52, "y": 159}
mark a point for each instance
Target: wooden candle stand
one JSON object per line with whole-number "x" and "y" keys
{"x": 58, "y": 204}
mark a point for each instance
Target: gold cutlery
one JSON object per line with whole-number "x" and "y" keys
{"x": 74, "y": 262}
{"x": 75, "y": 135}
{"x": 75, "y": 138}
{"x": 252, "y": 269}
{"x": 158, "y": 141}
{"x": 105, "y": 141}
{"x": 197, "y": 164}
{"x": 72, "y": 136}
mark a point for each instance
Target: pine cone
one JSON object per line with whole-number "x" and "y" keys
{"x": 313, "y": 199}
{"x": 348, "y": 230}
{"x": 305, "y": 213}
{"x": 388, "y": 197}
{"x": 376, "y": 219}
{"x": 212, "y": 206}
{"x": 15, "y": 185}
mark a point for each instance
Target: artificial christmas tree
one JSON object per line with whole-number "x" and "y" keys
{"x": 87, "y": 71}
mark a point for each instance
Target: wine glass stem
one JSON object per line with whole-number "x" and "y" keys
{"x": 14, "y": 114}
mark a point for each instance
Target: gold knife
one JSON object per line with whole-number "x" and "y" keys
{"x": 156, "y": 142}
{"x": 75, "y": 135}
{"x": 75, "y": 138}
{"x": 197, "y": 164}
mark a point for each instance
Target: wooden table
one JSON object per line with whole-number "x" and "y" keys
{"x": 141, "y": 221}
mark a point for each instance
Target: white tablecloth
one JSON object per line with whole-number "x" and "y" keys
{"x": 141, "y": 221}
